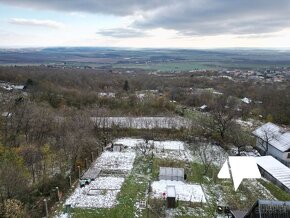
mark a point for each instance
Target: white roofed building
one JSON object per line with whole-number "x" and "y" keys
{"x": 275, "y": 171}
{"x": 275, "y": 141}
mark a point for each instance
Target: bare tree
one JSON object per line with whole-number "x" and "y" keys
{"x": 268, "y": 135}
{"x": 221, "y": 118}
{"x": 240, "y": 138}
{"x": 207, "y": 155}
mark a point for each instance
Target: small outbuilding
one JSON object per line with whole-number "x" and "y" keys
{"x": 171, "y": 196}
{"x": 173, "y": 174}
{"x": 117, "y": 147}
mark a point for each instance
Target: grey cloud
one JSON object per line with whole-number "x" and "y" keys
{"x": 37, "y": 23}
{"x": 211, "y": 17}
{"x": 122, "y": 33}
{"x": 115, "y": 7}
{"x": 188, "y": 17}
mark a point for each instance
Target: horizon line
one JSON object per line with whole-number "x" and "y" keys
{"x": 144, "y": 48}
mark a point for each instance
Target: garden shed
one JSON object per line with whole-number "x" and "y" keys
{"x": 117, "y": 147}
{"x": 171, "y": 196}
{"x": 173, "y": 174}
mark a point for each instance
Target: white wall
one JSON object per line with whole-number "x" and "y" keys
{"x": 272, "y": 150}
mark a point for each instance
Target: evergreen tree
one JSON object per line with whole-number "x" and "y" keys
{"x": 126, "y": 86}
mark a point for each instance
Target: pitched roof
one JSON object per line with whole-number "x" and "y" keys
{"x": 267, "y": 208}
{"x": 275, "y": 168}
{"x": 277, "y": 137}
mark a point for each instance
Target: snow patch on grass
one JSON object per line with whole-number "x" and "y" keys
{"x": 184, "y": 192}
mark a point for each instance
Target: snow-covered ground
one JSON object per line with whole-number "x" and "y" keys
{"x": 184, "y": 192}
{"x": 142, "y": 122}
{"x": 174, "y": 155}
{"x": 101, "y": 193}
{"x": 129, "y": 142}
{"x": 167, "y": 145}
{"x": 175, "y": 150}
{"x": 243, "y": 123}
{"x": 116, "y": 161}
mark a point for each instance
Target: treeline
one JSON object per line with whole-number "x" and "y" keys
{"x": 40, "y": 148}
{"x": 80, "y": 88}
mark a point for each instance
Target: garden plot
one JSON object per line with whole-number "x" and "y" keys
{"x": 116, "y": 161}
{"x": 168, "y": 145}
{"x": 174, "y": 155}
{"x": 184, "y": 192}
{"x": 129, "y": 142}
{"x": 175, "y": 150}
{"x": 101, "y": 193}
{"x": 165, "y": 145}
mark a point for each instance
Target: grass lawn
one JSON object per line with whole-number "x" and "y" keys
{"x": 275, "y": 190}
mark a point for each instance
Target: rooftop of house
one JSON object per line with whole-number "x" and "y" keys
{"x": 275, "y": 168}
{"x": 275, "y": 135}
{"x": 270, "y": 208}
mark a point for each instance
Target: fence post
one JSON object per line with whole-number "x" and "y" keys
{"x": 86, "y": 163}
{"x": 79, "y": 168}
{"x": 92, "y": 157}
{"x": 57, "y": 192}
{"x": 46, "y": 208}
{"x": 69, "y": 181}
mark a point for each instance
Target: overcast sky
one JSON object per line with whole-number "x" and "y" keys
{"x": 145, "y": 23}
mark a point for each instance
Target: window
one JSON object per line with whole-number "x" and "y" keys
{"x": 288, "y": 155}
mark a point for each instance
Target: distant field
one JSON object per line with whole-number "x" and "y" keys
{"x": 149, "y": 59}
{"x": 168, "y": 66}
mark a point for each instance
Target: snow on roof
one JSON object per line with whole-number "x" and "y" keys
{"x": 91, "y": 173}
{"x": 6, "y": 114}
{"x": 203, "y": 107}
{"x": 275, "y": 168}
{"x": 169, "y": 171}
{"x": 18, "y": 87}
{"x": 246, "y": 100}
{"x": 276, "y": 136}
